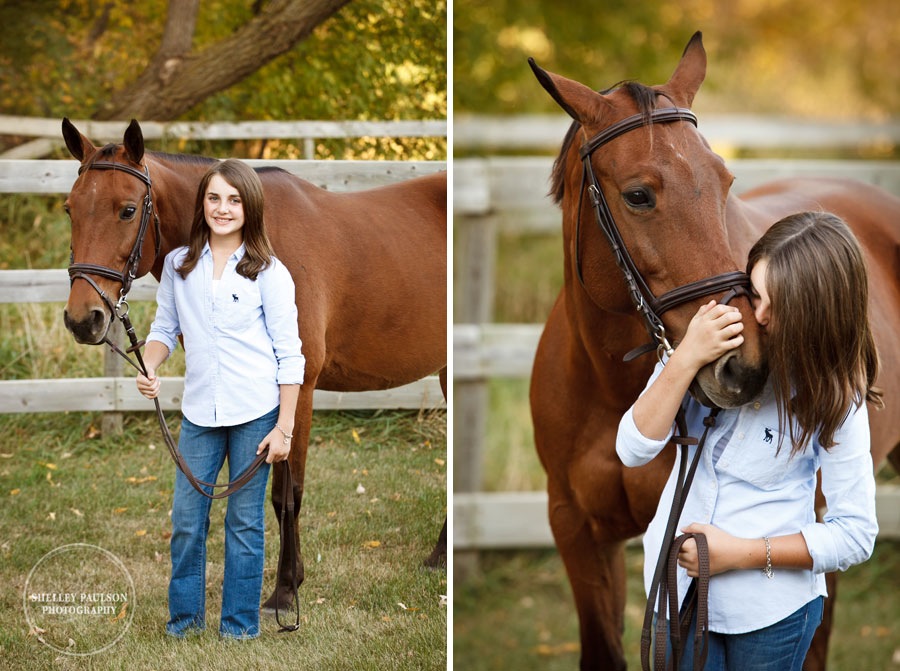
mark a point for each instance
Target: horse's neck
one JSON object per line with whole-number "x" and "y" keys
{"x": 745, "y": 227}
{"x": 175, "y": 192}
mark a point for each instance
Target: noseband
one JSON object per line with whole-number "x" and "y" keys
{"x": 650, "y": 307}
{"x": 128, "y": 274}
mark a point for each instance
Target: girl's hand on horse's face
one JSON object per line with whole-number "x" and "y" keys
{"x": 148, "y": 386}
{"x": 713, "y": 331}
{"x": 278, "y": 449}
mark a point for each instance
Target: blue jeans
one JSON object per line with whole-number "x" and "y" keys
{"x": 779, "y": 647}
{"x": 205, "y": 450}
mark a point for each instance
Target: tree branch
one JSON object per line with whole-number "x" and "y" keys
{"x": 176, "y": 80}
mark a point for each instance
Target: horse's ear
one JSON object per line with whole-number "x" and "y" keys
{"x": 577, "y": 100}
{"x": 689, "y": 74}
{"x": 79, "y": 146}
{"x": 134, "y": 141}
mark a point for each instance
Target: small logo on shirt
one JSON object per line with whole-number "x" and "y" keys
{"x": 768, "y": 436}
{"x": 234, "y": 298}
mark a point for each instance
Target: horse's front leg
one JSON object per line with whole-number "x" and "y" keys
{"x": 290, "y": 561}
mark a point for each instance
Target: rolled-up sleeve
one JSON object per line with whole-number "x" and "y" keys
{"x": 166, "y": 326}
{"x": 846, "y": 535}
{"x": 633, "y": 448}
{"x": 280, "y": 310}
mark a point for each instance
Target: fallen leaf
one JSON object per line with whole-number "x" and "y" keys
{"x": 77, "y": 512}
{"x": 442, "y": 600}
{"x": 140, "y": 532}
{"x": 439, "y": 462}
{"x": 372, "y": 544}
{"x": 119, "y": 511}
{"x": 51, "y": 516}
{"x": 122, "y": 612}
{"x": 5, "y": 455}
{"x": 92, "y": 432}
{"x": 139, "y": 481}
{"x": 402, "y": 605}
{"x": 52, "y": 467}
{"x": 13, "y": 492}
{"x": 360, "y": 489}
{"x": 555, "y": 650}
{"x": 36, "y": 631}
{"x": 355, "y": 436}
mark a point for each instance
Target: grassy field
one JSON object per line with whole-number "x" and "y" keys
{"x": 373, "y": 507}
{"x": 518, "y": 613}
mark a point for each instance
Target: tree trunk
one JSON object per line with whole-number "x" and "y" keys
{"x": 176, "y": 79}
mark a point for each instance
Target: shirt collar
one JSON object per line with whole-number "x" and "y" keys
{"x": 237, "y": 254}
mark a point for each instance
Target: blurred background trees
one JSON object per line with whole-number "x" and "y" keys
{"x": 357, "y": 60}
{"x": 832, "y": 59}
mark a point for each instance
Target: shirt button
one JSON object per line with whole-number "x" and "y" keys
{"x": 756, "y": 405}
{"x": 741, "y": 436}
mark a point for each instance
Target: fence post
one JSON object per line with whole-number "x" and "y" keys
{"x": 111, "y": 423}
{"x": 475, "y": 247}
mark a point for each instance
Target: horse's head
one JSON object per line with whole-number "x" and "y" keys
{"x": 634, "y": 158}
{"x": 112, "y": 214}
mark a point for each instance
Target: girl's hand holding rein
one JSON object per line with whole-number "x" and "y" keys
{"x": 148, "y": 384}
{"x": 279, "y": 445}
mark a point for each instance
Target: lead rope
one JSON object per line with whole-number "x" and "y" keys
{"x": 664, "y": 586}
{"x": 288, "y": 537}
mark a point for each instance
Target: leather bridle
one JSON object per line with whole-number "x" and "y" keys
{"x": 83, "y": 271}
{"x": 650, "y": 307}
{"x": 126, "y": 277}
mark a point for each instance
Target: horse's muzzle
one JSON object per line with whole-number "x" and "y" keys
{"x": 729, "y": 382}
{"x": 91, "y": 330}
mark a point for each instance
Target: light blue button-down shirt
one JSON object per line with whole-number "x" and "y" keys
{"x": 240, "y": 343}
{"x": 750, "y": 491}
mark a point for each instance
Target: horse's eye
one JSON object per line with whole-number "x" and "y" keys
{"x": 127, "y": 213}
{"x": 639, "y": 198}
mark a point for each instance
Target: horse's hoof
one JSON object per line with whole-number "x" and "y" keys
{"x": 280, "y": 598}
{"x": 436, "y": 561}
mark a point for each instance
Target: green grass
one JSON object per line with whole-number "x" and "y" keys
{"x": 518, "y": 614}
{"x": 366, "y": 603}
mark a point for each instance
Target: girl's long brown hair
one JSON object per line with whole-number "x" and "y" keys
{"x": 258, "y": 251}
{"x": 822, "y": 354}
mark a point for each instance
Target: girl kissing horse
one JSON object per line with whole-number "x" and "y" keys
{"x": 634, "y": 163}
{"x": 370, "y": 269}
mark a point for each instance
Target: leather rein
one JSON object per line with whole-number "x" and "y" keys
{"x": 663, "y": 594}
{"x": 83, "y": 271}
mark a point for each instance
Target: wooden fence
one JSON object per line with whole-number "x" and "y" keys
{"x": 48, "y": 134}
{"x": 497, "y": 193}
{"x": 115, "y": 393}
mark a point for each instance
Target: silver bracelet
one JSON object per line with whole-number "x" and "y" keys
{"x": 287, "y": 437}
{"x": 768, "y": 568}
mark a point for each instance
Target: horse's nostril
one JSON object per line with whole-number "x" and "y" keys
{"x": 729, "y": 373}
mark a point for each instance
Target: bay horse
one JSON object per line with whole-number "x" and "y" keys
{"x": 636, "y": 151}
{"x": 370, "y": 269}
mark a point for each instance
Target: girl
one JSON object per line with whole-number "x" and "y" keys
{"x": 232, "y": 302}
{"x": 753, "y": 493}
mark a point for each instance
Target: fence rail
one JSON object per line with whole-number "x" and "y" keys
{"x": 48, "y": 131}
{"x": 721, "y": 131}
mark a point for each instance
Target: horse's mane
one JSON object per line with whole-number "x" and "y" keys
{"x": 645, "y": 98}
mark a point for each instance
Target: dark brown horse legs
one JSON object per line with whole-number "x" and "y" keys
{"x": 284, "y": 590}
{"x": 438, "y": 556}
{"x": 597, "y": 574}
